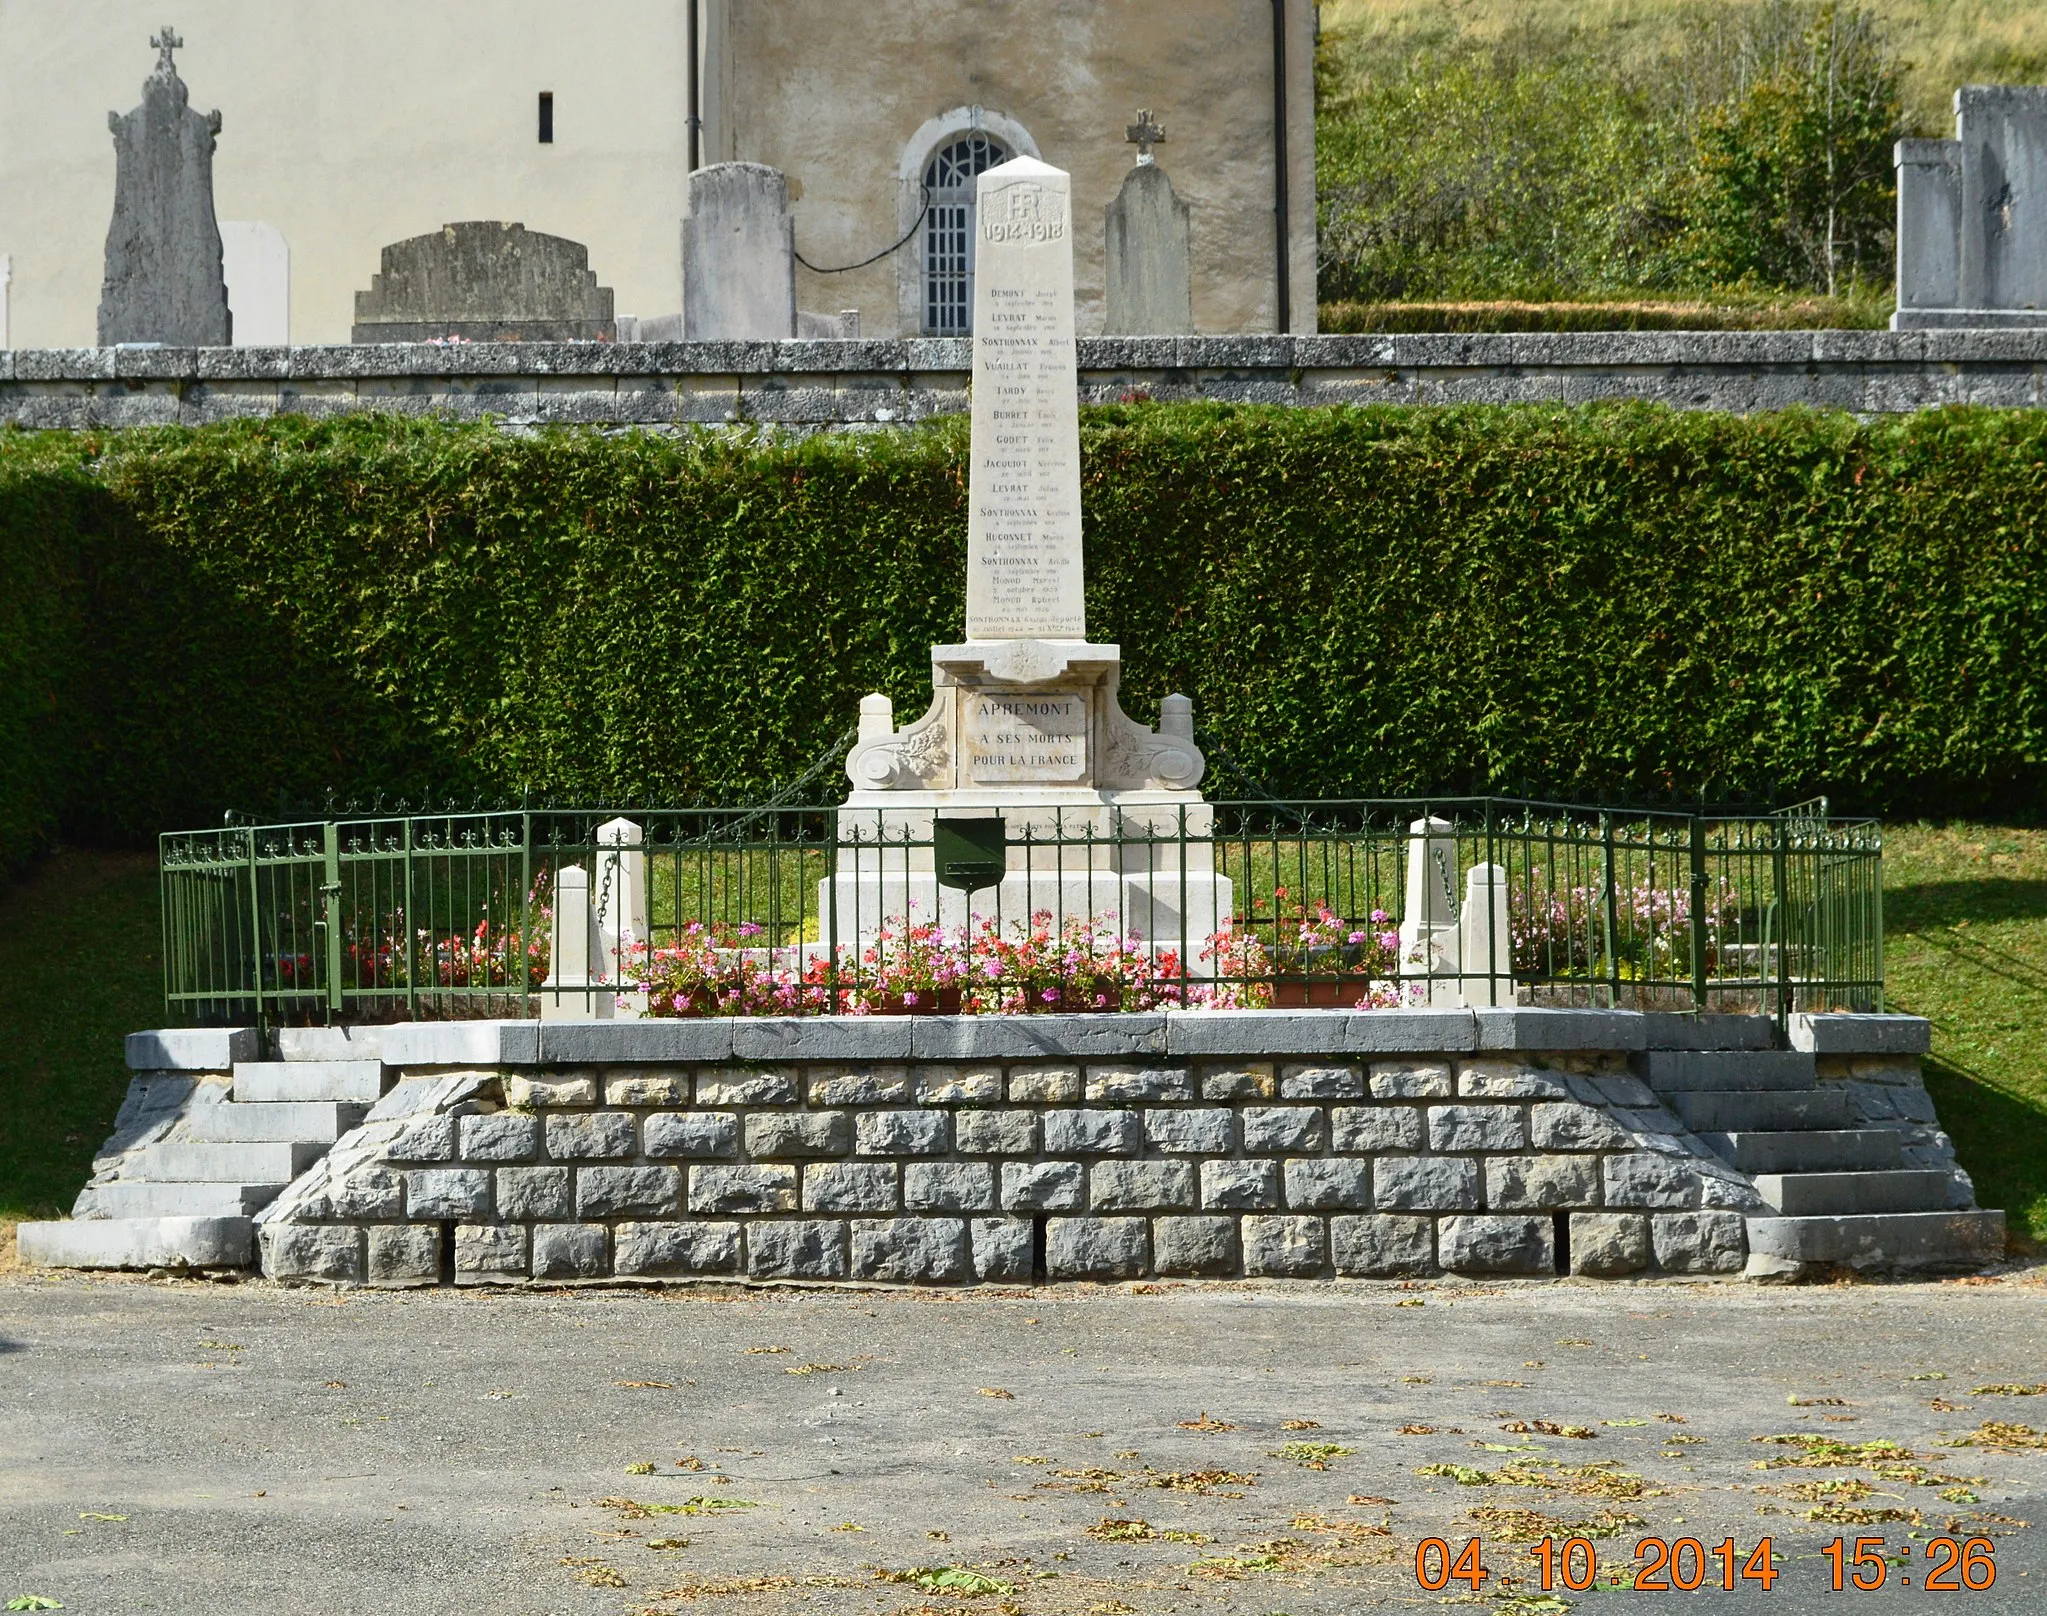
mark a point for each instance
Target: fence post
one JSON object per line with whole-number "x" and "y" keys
{"x": 1777, "y": 941}
{"x": 1610, "y": 919}
{"x": 1698, "y": 912}
{"x": 330, "y": 909}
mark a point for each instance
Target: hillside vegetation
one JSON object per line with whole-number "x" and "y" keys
{"x": 1723, "y": 154}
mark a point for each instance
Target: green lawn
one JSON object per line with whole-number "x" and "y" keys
{"x": 81, "y": 966}
{"x": 1965, "y": 906}
{"x": 1965, "y": 918}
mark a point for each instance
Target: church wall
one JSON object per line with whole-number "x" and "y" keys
{"x": 831, "y": 94}
{"x": 349, "y": 128}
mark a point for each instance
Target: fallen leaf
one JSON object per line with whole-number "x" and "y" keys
{"x": 1940, "y": 1405}
{"x": 1623, "y": 1422}
{"x": 822, "y": 1369}
{"x": 848, "y": 1526}
{"x": 1204, "y": 1423}
{"x": 1548, "y": 1428}
{"x": 1411, "y": 1301}
{"x": 1367, "y": 1498}
{"x": 767, "y": 1351}
{"x": 94, "y": 1515}
{"x": 1934, "y": 1375}
{"x": 646, "y": 1385}
{"x": 948, "y": 1580}
{"x": 31, "y": 1602}
{"x": 641, "y": 1469}
{"x": 986, "y": 1391}
{"x": 946, "y": 1537}
{"x": 2009, "y": 1391}
{"x": 1673, "y": 1419}
{"x": 668, "y": 1543}
{"x": 1119, "y": 1531}
{"x": 594, "y": 1572}
{"x": 1416, "y": 1430}
{"x": 1816, "y": 1402}
{"x": 335, "y": 1385}
{"x": 1293, "y": 1425}
{"x": 1417, "y": 1380}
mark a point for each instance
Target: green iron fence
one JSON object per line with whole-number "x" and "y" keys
{"x": 792, "y": 910}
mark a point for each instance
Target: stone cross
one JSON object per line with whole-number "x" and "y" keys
{"x": 164, "y": 43}
{"x": 1144, "y": 134}
{"x": 1024, "y": 577}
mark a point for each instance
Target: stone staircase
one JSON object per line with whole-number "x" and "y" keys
{"x": 1839, "y": 1190}
{"x": 207, "y": 1139}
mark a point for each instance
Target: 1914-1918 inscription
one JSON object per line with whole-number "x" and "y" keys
{"x": 1027, "y": 735}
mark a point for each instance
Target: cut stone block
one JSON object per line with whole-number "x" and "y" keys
{"x": 911, "y": 1251}
{"x": 1284, "y": 1247}
{"x": 796, "y": 1249}
{"x": 1605, "y": 1245}
{"x": 657, "y": 1250}
{"x": 1700, "y": 1242}
{"x": 1194, "y": 1246}
{"x": 1496, "y": 1245}
{"x": 1097, "y": 1248}
{"x": 310, "y": 1251}
{"x": 1838, "y": 1034}
{"x": 1382, "y": 1245}
{"x": 570, "y": 1251}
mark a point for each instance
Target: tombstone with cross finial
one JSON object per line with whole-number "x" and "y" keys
{"x": 1144, "y": 134}
{"x": 1150, "y": 246}
{"x": 164, "y": 277}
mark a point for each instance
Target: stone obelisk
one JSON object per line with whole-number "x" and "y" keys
{"x": 1024, "y": 568}
{"x": 1025, "y": 710}
{"x": 1026, "y": 753}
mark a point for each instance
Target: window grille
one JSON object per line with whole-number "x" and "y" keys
{"x": 949, "y": 232}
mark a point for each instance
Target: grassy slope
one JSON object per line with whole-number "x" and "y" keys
{"x": 1965, "y": 912}
{"x": 1945, "y": 42}
{"x": 80, "y": 968}
{"x": 1966, "y": 908}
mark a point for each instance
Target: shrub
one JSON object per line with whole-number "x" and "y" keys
{"x": 1602, "y": 603}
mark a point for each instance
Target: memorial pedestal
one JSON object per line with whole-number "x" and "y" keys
{"x": 1099, "y": 816}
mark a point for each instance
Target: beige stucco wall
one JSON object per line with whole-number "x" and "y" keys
{"x": 1073, "y": 74}
{"x": 350, "y": 127}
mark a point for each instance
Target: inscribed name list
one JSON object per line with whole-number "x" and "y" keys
{"x": 1030, "y": 735}
{"x": 1024, "y": 575}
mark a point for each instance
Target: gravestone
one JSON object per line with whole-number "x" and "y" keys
{"x": 1972, "y": 215}
{"x": 256, "y": 261}
{"x": 164, "y": 281}
{"x": 485, "y": 281}
{"x": 1149, "y": 237}
{"x": 1025, "y": 724}
{"x": 738, "y": 256}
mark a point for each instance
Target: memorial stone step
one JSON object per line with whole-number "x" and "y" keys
{"x": 1853, "y": 1193}
{"x": 268, "y": 1163}
{"x": 1813, "y": 1150}
{"x": 1678, "y": 1071}
{"x": 1765, "y": 1110}
{"x": 1882, "y": 1240}
{"x": 295, "y": 1081}
{"x": 132, "y": 1198}
{"x": 306, "y": 1121}
{"x": 207, "y": 1242}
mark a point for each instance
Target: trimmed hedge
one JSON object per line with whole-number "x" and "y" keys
{"x": 1605, "y": 603}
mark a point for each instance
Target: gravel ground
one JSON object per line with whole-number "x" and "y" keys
{"x": 178, "y": 1445}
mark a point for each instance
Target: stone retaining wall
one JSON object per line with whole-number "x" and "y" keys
{"x": 840, "y": 383}
{"x": 623, "y": 1158}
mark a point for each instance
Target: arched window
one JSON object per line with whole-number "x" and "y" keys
{"x": 949, "y": 231}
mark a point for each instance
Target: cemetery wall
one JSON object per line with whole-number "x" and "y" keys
{"x": 953, "y": 1151}
{"x": 1782, "y": 602}
{"x": 832, "y": 383}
